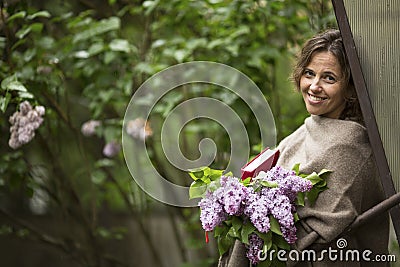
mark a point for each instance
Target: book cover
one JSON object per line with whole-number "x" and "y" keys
{"x": 262, "y": 162}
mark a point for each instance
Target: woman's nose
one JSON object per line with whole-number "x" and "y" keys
{"x": 315, "y": 85}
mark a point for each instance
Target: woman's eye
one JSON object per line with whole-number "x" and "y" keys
{"x": 308, "y": 73}
{"x": 330, "y": 78}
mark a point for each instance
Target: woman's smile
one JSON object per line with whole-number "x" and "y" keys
{"x": 315, "y": 99}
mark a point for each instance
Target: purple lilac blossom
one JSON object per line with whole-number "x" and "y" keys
{"x": 89, "y": 127}
{"x": 255, "y": 245}
{"x": 212, "y": 213}
{"x": 111, "y": 149}
{"x": 281, "y": 209}
{"x": 139, "y": 128}
{"x": 24, "y": 123}
{"x": 258, "y": 210}
{"x": 232, "y": 195}
{"x": 289, "y": 183}
{"x": 278, "y": 201}
{"x": 229, "y": 199}
{"x": 233, "y": 198}
{"x": 292, "y": 185}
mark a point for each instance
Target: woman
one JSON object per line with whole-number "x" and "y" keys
{"x": 333, "y": 138}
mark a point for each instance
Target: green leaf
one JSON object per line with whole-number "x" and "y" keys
{"x": 111, "y": 133}
{"x": 82, "y": 54}
{"x": 25, "y": 95}
{"x": 4, "y": 100}
{"x": 197, "y": 189}
{"x": 267, "y": 238}
{"x": 296, "y": 168}
{"x": 180, "y": 55}
{"x": 40, "y": 14}
{"x": 275, "y": 225}
{"x": 312, "y": 195}
{"x": 319, "y": 184}
{"x": 246, "y": 182}
{"x": 216, "y": 43}
{"x": 197, "y": 173}
{"x": 280, "y": 242}
{"x": 300, "y": 198}
{"x": 242, "y": 30}
{"x": 220, "y": 230}
{"x": 233, "y": 233}
{"x": 324, "y": 172}
{"x": 103, "y": 26}
{"x": 98, "y": 177}
{"x": 120, "y": 45}
{"x": 150, "y": 6}
{"x": 215, "y": 174}
{"x": 247, "y": 229}
{"x": 95, "y": 49}
{"x": 104, "y": 163}
{"x": 7, "y": 81}
{"x": 36, "y": 27}
{"x": 17, "y": 15}
{"x": 236, "y": 223}
{"x": 18, "y": 43}
{"x": 269, "y": 184}
{"x": 314, "y": 178}
{"x": 230, "y": 174}
{"x": 224, "y": 243}
{"x": 23, "y": 32}
{"x": 14, "y": 86}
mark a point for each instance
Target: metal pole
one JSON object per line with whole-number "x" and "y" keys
{"x": 367, "y": 111}
{"x": 375, "y": 211}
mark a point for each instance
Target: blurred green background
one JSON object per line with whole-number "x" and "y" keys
{"x": 67, "y": 197}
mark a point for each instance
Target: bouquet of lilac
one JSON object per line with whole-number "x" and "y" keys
{"x": 259, "y": 211}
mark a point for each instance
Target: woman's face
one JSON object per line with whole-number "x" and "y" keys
{"x": 322, "y": 86}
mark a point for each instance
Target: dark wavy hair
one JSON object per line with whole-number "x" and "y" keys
{"x": 330, "y": 41}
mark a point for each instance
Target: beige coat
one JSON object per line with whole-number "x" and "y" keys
{"x": 341, "y": 146}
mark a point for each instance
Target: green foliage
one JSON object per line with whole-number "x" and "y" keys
{"x": 318, "y": 181}
{"x": 83, "y": 60}
{"x": 204, "y": 178}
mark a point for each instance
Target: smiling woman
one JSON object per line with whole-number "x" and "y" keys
{"x": 334, "y": 138}
{"x": 322, "y": 74}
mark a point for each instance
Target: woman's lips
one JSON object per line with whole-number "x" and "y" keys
{"x": 315, "y": 99}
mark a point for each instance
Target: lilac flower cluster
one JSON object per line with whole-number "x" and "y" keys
{"x": 228, "y": 199}
{"x": 256, "y": 244}
{"x": 271, "y": 193}
{"x": 258, "y": 209}
{"x": 279, "y": 201}
{"x": 111, "y": 149}
{"x": 89, "y": 127}
{"x": 288, "y": 182}
{"x": 24, "y": 123}
{"x": 139, "y": 129}
{"x": 232, "y": 195}
{"x": 212, "y": 212}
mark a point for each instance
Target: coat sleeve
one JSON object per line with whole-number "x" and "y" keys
{"x": 338, "y": 206}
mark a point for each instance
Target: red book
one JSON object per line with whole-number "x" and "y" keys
{"x": 262, "y": 162}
